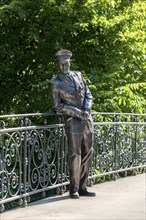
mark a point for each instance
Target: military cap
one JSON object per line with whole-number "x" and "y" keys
{"x": 63, "y": 55}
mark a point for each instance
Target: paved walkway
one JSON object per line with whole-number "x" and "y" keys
{"x": 124, "y": 199}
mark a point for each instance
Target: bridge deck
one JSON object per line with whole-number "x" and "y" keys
{"x": 123, "y": 199}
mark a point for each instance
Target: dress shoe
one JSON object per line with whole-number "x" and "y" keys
{"x": 74, "y": 195}
{"x": 87, "y": 193}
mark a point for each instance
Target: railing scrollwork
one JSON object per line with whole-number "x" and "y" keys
{"x": 33, "y": 152}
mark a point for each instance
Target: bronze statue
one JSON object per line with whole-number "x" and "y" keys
{"x": 71, "y": 97}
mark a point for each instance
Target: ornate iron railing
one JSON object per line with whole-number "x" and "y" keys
{"x": 33, "y": 152}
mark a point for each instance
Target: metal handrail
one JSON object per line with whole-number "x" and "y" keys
{"x": 33, "y": 156}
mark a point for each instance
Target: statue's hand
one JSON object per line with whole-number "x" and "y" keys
{"x": 86, "y": 115}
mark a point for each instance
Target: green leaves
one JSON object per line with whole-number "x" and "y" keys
{"x": 130, "y": 95}
{"x": 107, "y": 38}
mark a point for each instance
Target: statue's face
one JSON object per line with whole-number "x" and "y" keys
{"x": 64, "y": 67}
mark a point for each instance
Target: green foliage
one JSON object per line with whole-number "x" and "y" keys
{"x": 107, "y": 38}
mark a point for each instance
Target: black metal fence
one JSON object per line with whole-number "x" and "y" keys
{"x": 33, "y": 152}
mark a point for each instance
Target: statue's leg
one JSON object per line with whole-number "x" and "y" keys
{"x": 86, "y": 153}
{"x": 74, "y": 160}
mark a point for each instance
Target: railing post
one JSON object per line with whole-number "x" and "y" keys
{"x": 115, "y": 119}
{"x": 25, "y": 165}
{"x": 61, "y": 159}
{"x": 136, "y": 119}
{"x": 2, "y": 161}
{"x": 62, "y": 155}
{"x": 2, "y": 206}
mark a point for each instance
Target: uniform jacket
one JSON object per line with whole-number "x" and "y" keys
{"x": 71, "y": 96}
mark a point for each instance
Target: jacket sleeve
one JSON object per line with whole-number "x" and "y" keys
{"x": 88, "y": 98}
{"x": 61, "y": 107}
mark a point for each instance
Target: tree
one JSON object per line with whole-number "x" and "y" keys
{"x": 105, "y": 36}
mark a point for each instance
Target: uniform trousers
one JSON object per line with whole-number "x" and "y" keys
{"x": 79, "y": 159}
